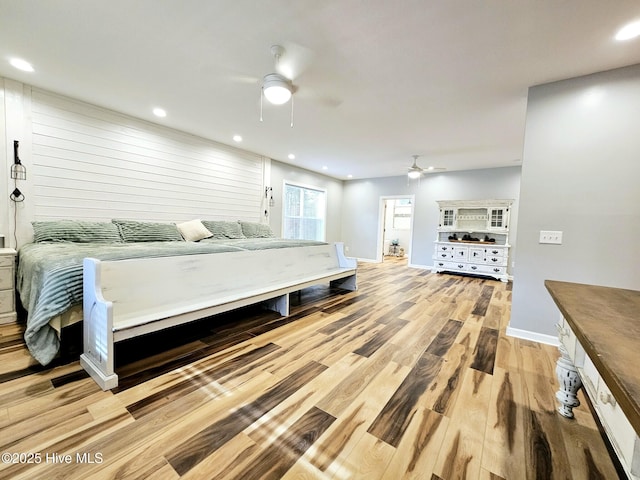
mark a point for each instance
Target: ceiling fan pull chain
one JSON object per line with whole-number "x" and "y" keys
{"x": 261, "y": 95}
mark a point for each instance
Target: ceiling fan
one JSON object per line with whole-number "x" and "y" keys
{"x": 415, "y": 171}
{"x": 276, "y": 87}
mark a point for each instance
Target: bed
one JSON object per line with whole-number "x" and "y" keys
{"x": 50, "y": 270}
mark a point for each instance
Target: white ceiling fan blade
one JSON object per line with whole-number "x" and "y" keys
{"x": 245, "y": 79}
{"x": 325, "y": 100}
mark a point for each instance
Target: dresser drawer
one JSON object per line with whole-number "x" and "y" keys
{"x": 491, "y": 269}
{"x": 620, "y": 431}
{"x": 7, "y": 260}
{"x": 6, "y": 278}
{"x": 460, "y": 253}
{"x": 495, "y": 260}
{"x": 6, "y": 301}
{"x": 460, "y": 266}
{"x": 495, "y": 252}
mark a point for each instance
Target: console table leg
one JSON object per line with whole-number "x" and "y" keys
{"x": 570, "y": 383}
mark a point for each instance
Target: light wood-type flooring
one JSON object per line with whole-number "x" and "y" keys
{"x": 411, "y": 376}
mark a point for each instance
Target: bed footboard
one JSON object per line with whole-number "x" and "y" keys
{"x": 97, "y": 358}
{"x": 127, "y": 298}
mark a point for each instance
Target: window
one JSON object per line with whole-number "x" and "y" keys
{"x": 496, "y": 218}
{"x": 447, "y": 218}
{"x": 402, "y": 214}
{"x": 304, "y": 212}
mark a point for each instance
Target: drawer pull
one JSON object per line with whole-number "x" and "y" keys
{"x": 494, "y": 252}
{"x": 607, "y": 398}
{"x": 496, "y": 270}
{"x": 441, "y": 264}
{"x": 473, "y": 267}
{"x": 494, "y": 259}
{"x": 460, "y": 266}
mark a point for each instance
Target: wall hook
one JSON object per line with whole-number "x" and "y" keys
{"x": 17, "y": 195}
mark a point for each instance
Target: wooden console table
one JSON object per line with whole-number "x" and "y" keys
{"x": 599, "y": 333}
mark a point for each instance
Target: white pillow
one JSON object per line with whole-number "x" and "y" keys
{"x": 193, "y": 230}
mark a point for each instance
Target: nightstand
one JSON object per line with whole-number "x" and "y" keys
{"x": 7, "y": 285}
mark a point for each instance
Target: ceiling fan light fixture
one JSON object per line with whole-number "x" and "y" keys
{"x": 277, "y": 89}
{"x": 413, "y": 174}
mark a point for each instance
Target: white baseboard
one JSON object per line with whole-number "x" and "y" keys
{"x": 423, "y": 267}
{"x": 533, "y": 336}
{"x": 368, "y": 260}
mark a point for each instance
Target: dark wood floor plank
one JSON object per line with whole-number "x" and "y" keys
{"x": 188, "y": 454}
{"x": 445, "y": 338}
{"x": 485, "y": 352}
{"x": 191, "y": 383}
{"x": 390, "y": 424}
{"x": 277, "y": 458}
{"x": 480, "y": 308}
{"x": 381, "y": 338}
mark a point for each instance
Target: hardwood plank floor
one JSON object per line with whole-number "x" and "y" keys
{"x": 411, "y": 376}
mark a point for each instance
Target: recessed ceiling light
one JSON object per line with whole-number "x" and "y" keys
{"x": 291, "y": 156}
{"x": 349, "y": 176}
{"x": 237, "y": 138}
{"x": 159, "y": 112}
{"x": 21, "y": 64}
{"x": 629, "y": 31}
{"x": 324, "y": 167}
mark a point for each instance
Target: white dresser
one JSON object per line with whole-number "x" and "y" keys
{"x": 473, "y": 237}
{"x": 599, "y": 332}
{"x": 7, "y": 285}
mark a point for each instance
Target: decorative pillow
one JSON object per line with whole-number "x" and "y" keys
{"x": 223, "y": 229}
{"x": 193, "y": 230}
{"x": 77, "y": 231}
{"x": 134, "y": 231}
{"x": 256, "y": 230}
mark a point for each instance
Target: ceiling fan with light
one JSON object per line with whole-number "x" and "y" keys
{"x": 278, "y": 87}
{"x": 415, "y": 171}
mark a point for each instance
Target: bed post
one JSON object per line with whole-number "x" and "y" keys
{"x": 347, "y": 283}
{"x": 97, "y": 358}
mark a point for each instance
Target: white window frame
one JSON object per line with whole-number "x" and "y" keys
{"x": 286, "y": 183}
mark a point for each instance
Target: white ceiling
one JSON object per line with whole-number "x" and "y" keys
{"x": 383, "y": 80}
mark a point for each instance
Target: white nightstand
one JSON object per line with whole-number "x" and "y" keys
{"x": 7, "y": 285}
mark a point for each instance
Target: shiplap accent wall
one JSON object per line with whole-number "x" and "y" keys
{"x": 92, "y": 163}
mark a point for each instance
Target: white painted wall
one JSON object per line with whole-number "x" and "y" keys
{"x": 580, "y": 175}
{"x": 87, "y": 162}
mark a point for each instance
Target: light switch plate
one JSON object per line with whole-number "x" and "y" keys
{"x": 551, "y": 236}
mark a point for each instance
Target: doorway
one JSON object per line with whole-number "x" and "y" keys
{"x": 395, "y": 227}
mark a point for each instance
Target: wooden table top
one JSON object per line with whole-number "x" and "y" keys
{"x": 606, "y": 322}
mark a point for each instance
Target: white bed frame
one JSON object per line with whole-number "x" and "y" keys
{"x": 127, "y": 298}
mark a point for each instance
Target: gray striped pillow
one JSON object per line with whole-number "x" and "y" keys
{"x": 77, "y": 231}
{"x": 223, "y": 229}
{"x": 256, "y": 230}
{"x": 134, "y": 231}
